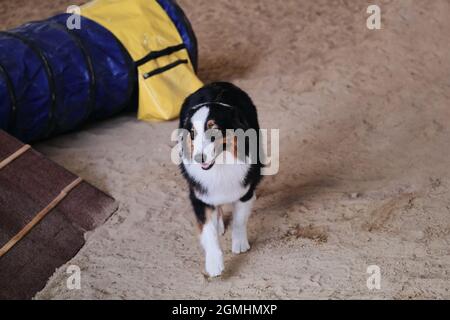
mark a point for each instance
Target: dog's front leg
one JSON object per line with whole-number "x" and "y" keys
{"x": 241, "y": 213}
{"x": 207, "y": 220}
{"x": 210, "y": 241}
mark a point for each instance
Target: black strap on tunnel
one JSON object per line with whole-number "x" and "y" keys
{"x": 12, "y": 98}
{"x": 165, "y": 68}
{"x": 161, "y": 53}
{"x": 92, "y": 78}
{"x": 157, "y": 54}
{"x": 48, "y": 71}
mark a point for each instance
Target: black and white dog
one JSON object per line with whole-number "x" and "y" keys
{"x": 221, "y": 166}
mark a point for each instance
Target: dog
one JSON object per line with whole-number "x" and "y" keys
{"x": 209, "y": 120}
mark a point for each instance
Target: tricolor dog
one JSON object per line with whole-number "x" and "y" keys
{"x": 221, "y": 162}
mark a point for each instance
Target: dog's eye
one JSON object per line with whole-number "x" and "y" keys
{"x": 212, "y": 134}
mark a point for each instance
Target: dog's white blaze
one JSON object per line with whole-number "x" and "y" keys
{"x": 200, "y": 142}
{"x": 209, "y": 239}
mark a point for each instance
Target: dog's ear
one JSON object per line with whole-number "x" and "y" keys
{"x": 185, "y": 119}
{"x": 185, "y": 122}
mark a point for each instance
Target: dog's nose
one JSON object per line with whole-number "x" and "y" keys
{"x": 200, "y": 157}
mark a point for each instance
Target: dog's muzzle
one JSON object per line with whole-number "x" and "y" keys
{"x": 201, "y": 159}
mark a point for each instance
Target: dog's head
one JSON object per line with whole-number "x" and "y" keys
{"x": 213, "y": 120}
{"x": 209, "y": 130}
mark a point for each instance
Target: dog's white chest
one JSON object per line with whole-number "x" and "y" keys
{"x": 222, "y": 183}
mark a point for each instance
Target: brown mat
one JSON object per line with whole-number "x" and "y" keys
{"x": 29, "y": 184}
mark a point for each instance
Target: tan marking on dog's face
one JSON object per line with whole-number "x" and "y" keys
{"x": 221, "y": 144}
{"x": 234, "y": 149}
{"x": 227, "y": 143}
{"x": 190, "y": 147}
{"x": 211, "y": 124}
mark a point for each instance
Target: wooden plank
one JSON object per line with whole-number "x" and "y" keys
{"x": 27, "y": 185}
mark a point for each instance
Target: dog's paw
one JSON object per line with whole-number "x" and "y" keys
{"x": 214, "y": 264}
{"x": 239, "y": 244}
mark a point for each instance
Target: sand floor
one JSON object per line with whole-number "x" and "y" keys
{"x": 364, "y": 159}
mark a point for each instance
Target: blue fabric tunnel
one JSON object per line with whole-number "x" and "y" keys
{"x": 53, "y": 80}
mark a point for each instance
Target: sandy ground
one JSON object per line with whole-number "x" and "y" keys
{"x": 364, "y": 159}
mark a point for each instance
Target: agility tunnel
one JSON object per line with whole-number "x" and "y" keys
{"x": 60, "y": 73}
